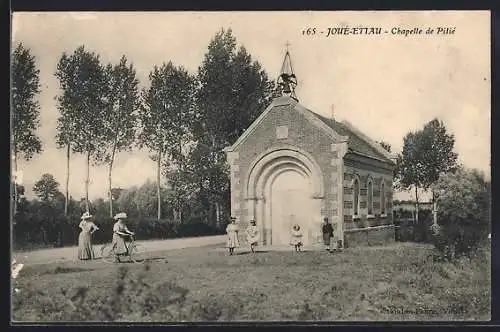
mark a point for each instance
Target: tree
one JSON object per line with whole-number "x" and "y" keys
{"x": 67, "y": 133}
{"x": 25, "y": 108}
{"x": 116, "y": 192}
{"x": 166, "y": 116}
{"x": 426, "y": 154}
{"x": 233, "y": 92}
{"x": 47, "y": 188}
{"x": 82, "y": 106}
{"x": 122, "y": 102}
{"x": 141, "y": 202}
{"x": 17, "y": 197}
{"x": 464, "y": 209}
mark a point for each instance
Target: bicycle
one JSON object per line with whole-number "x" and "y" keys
{"x": 133, "y": 250}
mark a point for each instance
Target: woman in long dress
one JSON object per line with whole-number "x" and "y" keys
{"x": 232, "y": 233}
{"x": 252, "y": 233}
{"x": 85, "y": 250}
{"x": 120, "y": 233}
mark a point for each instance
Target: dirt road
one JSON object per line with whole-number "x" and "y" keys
{"x": 69, "y": 253}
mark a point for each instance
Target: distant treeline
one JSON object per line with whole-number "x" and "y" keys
{"x": 184, "y": 120}
{"x": 42, "y": 223}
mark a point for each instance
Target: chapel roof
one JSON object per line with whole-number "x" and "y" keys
{"x": 355, "y": 142}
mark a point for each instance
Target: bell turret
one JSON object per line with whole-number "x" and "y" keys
{"x": 287, "y": 81}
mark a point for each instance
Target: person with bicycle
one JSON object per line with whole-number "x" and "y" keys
{"x": 120, "y": 234}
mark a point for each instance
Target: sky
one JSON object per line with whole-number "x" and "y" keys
{"x": 386, "y": 85}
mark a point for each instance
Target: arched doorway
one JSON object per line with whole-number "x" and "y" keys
{"x": 289, "y": 200}
{"x": 285, "y": 186}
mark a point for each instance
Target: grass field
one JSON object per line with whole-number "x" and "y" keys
{"x": 397, "y": 282}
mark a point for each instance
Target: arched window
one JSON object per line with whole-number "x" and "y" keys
{"x": 356, "y": 197}
{"x": 370, "y": 197}
{"x": 382, "y": 198}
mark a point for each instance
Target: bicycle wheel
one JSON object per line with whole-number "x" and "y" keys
{"x": 108, "y": 254}
{"x": 135, "y": 253}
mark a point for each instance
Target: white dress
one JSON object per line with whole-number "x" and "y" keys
{"x": 296, "y": 237}
{"x": 232, "y": 234}
{"x": 252, "y": 234}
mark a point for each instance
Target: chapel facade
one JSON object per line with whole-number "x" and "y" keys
{"x": 294, "y": 166}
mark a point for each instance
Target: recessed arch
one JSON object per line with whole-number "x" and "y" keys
{"x": 273, "y": 170}
{"x": 266, "y": 197}
{"x": 272, "y": 158}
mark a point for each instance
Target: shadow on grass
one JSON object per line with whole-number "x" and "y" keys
{"x": 240, "y": 253}
{"x": 141, "y": 261}
{"x": 61, "y": 270}
{"x": 151, "y": 259}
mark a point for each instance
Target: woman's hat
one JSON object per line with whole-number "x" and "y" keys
{"x": 86, "y": 215}
{"x": 121, "y": 215}
{"x": 252, "y": 221}
{"x": 296, "y": 226}
{"x": 233, "y": 218}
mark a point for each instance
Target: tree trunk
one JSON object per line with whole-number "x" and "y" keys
{"x": 217, "y": 214}
{"x": 175, "y": 204}
{"x": 110, "y": 193}
{"x": 66, "y": 201}
{"x": 210, "y": 219}
{"x": 44, "y": 236}
{"x": 110, "y": 170}
{"x": 434, "y": 209}
{"x": 87, "y": 180}
{"x": 179, "y": 162}
{"x": 158, "y": 187}
{"x": 14, "y": 203}
{"x": 113, "y": 152}
{"x": 416, "y": 204}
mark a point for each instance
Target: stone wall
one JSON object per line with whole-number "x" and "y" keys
{"x": 371, "y": 236}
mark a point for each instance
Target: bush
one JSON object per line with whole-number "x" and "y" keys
{"x": 133, "y": 297}
{"x": 464, "y": 212}
{"x": 42, "y": 224}
{"x": 409, "y": 230}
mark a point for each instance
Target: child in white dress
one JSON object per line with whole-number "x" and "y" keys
{"x": 232, "y": 236}
{"x": 296, "y": 237}
{"x": 252, "y": 235}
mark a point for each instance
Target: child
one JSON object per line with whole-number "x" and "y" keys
{"x": 327, "y": 231}
{"x": 252, "y": 235}
{"x": 232, "y": 233}
{"x": 296, "y": 237}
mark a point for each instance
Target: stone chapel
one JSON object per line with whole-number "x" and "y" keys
{"x": 293, "y": 165}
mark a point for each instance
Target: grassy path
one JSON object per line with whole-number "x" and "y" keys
{"x": 396, "y": 282}
{"x": 69, "y": 253}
